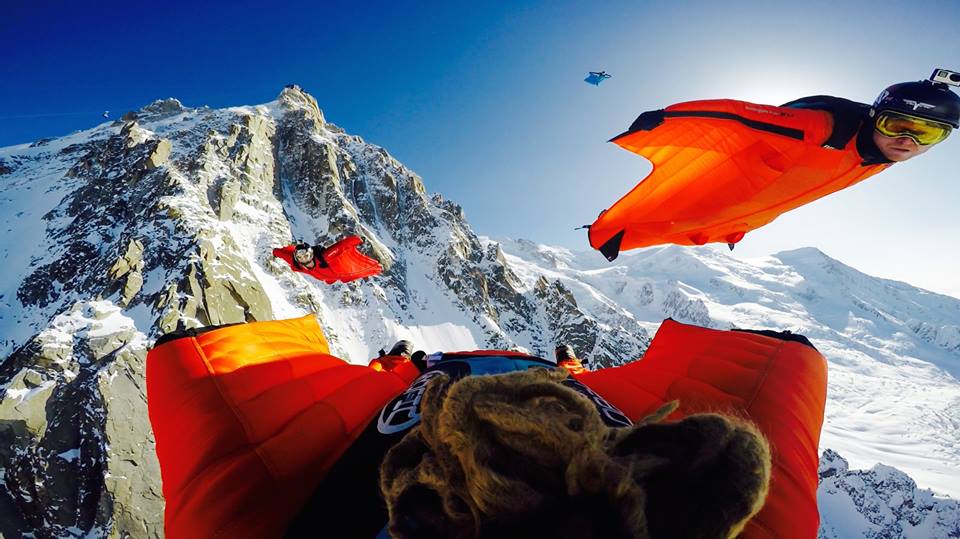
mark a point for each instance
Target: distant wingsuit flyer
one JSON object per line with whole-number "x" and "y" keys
{"x": 596, "y": 77}
{"x": 339, "y": 262}
{"x": 722, "y": 168}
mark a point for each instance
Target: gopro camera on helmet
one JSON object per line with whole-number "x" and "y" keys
{"x": 946, "y": 76}
{"x": 930, "y": 99}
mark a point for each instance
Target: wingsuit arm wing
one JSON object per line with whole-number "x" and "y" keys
{"x": 342, "y": 247}
{"x": 286, "y": 254}
{"x": 809, "y": 125}
{"x": 775, "y": 380}
{"x": 249, "y": 418}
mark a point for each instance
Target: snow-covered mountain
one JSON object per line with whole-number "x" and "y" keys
{"x": 893, "y": 394}
{"x": 165, "y": 219}
{"x": 880, "y": 503}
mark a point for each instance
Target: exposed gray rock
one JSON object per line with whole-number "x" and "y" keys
{"x": 568, "y": 324}
{"x": 78, "y": 451}
{"x": 129, "y": 267}
{"x": 610, "y": 340}
{"x": 23, "y": 409}
{"x": 294, "y": 98}
{"x": 161, "y": 108}
{"x": 678, "y": 306}
{"x": 132, "y": 258}
{"x": 42, "y": 142}
{"x": 87, "y": 221}
{"x": 946, "y": 337}
{"x": 229, "y": 195}
{"x": 159, "y": 155}
{"x": 229, "y": 294}
{"x": 132, "y": 483}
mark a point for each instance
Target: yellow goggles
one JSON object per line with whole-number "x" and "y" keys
{"x": 897, "y": 124}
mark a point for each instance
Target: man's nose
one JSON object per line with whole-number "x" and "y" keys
{"x": 907, "y": 141}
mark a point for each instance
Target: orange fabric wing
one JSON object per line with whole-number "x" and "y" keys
{"x": 778, "y": 384}
{"x": 248, "y": 419}
{"x": 721, "y": 169}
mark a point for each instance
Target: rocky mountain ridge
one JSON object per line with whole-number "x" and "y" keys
{"x": 880, "y": 503}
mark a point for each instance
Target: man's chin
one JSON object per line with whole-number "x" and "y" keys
{"x": 899, "y": 155}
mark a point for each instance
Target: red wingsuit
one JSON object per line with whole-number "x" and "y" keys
{"x": 249, "y": 418}
{"x": 339, "y": 262}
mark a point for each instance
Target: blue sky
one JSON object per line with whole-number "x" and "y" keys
{"x": 486, "y": 100}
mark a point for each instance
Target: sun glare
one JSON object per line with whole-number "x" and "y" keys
{"x": 778, "y": 84}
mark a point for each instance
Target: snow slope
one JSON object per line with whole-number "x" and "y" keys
{"x": 893, "y": 396}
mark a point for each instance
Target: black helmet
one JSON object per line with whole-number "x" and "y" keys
{"x": 564, "y": 352}
{"x": 402, "y": 348}
{"x": 925, "y": 98}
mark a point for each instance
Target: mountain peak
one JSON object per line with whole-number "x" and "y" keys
{"x": 803, "y": 253}
{"x": 294, "y": 97}
{"x": 162, "y": 108}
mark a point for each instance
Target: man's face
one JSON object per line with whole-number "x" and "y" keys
{"x": 304, "y": 256}
{"x": 898, "y": 149}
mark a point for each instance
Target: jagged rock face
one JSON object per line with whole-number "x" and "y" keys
{"x": 348, "y": 186}
{"x": 165, "y": 220}
{"x": 161, "y": 108}
{"x": 91, "y": 218}
{"x": 589, "y": 337}
{"x": 946, "y": 337}
{"x": 679, "y": 307}
{"x": 76, "y": 453}
{"x": 130, "y": 268}
{"x": 880, "y": 503}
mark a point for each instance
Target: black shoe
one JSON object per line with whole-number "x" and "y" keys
{"x": 419, "y": 358}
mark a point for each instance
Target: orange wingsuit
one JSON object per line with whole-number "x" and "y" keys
{"x": 722, "y": 168}
{"x": 248, "y": 418}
